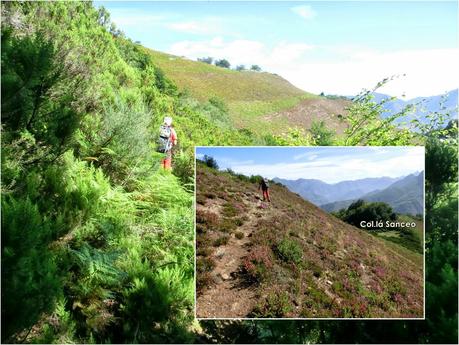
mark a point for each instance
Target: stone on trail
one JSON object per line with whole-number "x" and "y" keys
{"x": 224, "y": 276}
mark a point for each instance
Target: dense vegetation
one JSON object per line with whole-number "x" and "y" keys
{"x": 360, "y": 211}
{"x": 97, "y": 242}
{"x": 87, "y": 214}
{"x": 379, "y": 215}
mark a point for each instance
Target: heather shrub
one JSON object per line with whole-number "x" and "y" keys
{"x": 239, "y": 235}
{"x": 229, "y": 210}
{"x": 204, "y": 265}
{"x": 227, "y": 225}
{"x": 207, "y": 219}
{"x": 221, "y": 241}
{"x": 276, "y": 304}
{"x": 257, "y": 264}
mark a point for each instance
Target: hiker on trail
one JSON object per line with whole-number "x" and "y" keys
{"x": 264, "y": 186}
{"x": 167, "y": 140}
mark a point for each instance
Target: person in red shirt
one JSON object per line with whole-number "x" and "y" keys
{"x": 166, "y": 162}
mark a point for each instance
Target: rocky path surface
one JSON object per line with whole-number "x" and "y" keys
{"x": 314, "y": 109}
{"x": 230, "y": 296}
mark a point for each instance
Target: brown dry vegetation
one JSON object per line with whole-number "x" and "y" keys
{"x": 291, "y": 259}
{"x": 313, "y": 109}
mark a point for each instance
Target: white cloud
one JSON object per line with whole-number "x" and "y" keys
{"x": 427, "y": 73}
{"x": 237, "y": 51}
{"x": 245, "y": 52}
{"x": 225, "y": 162}
{"x": 347, "y": 70}
{"x": 308, "y": 155}
{"x": 286, "y": 53}
{"x": 305, "y": 11}
{"x": 336, "y": 169}
{"x": 208, "y": 25}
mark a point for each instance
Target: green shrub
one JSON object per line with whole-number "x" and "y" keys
{"x": 204, "y": 265}
{"x": 118, "y": 140}
{"x": 30, "y": 277}
{"x": 364, "y": 124}
{"x": 221, "y": 241}
{"x": 239, "y": 235}
{"x": 255, "y": 178}
{"x": 155, "y": 298}
{"x": 289, "y": 251}
{"x": 229, "y": 210}
{"x": 277, "y": 304}
{"x": 242, "y": 177}
{"x": 203, "y": 280}
{"x": 40, "y": 94}
{"x": 227, "y": 225}
{"x": 203, "y": 251}
{"x": 360, "y": 211}
{"x": 239, "y": 221}
{"x": 219, "y": 104}
{"x": 210, "y": 162}
{"x": 321, "y": 135}
{"x": 183, "y": 168}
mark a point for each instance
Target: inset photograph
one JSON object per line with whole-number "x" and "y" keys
{"x": 310, "y": 232}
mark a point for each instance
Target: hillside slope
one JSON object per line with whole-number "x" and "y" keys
{"x": 288, "y": 258}
{"x": 205, "y": 80}
{"x": 259, "y": 101}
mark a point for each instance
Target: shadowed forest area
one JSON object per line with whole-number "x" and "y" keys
{"x": 97, "y": 241}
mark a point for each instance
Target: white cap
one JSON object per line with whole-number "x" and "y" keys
{"x": 168, "y": 120}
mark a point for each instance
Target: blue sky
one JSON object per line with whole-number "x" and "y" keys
{"x": 335, "y": 47}
{"x": 328, "y": 164}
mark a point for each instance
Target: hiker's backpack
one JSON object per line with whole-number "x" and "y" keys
{"x": 266, "y": 183}
{"x": 164, "y": 141}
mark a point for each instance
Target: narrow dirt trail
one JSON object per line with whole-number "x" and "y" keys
{"x": 230, "y": 296}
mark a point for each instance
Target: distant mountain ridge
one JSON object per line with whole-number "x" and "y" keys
{"x": 427, "y": 105}
{"x": 405, "y": 196}
{"x": 319, "y": 192}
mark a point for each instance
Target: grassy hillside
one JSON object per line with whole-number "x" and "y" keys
{"x": 250, "y": 96}
{"x": 411, "y": 238}
{"x": 205, "y": 81}
{"x": 288, "y": 258}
